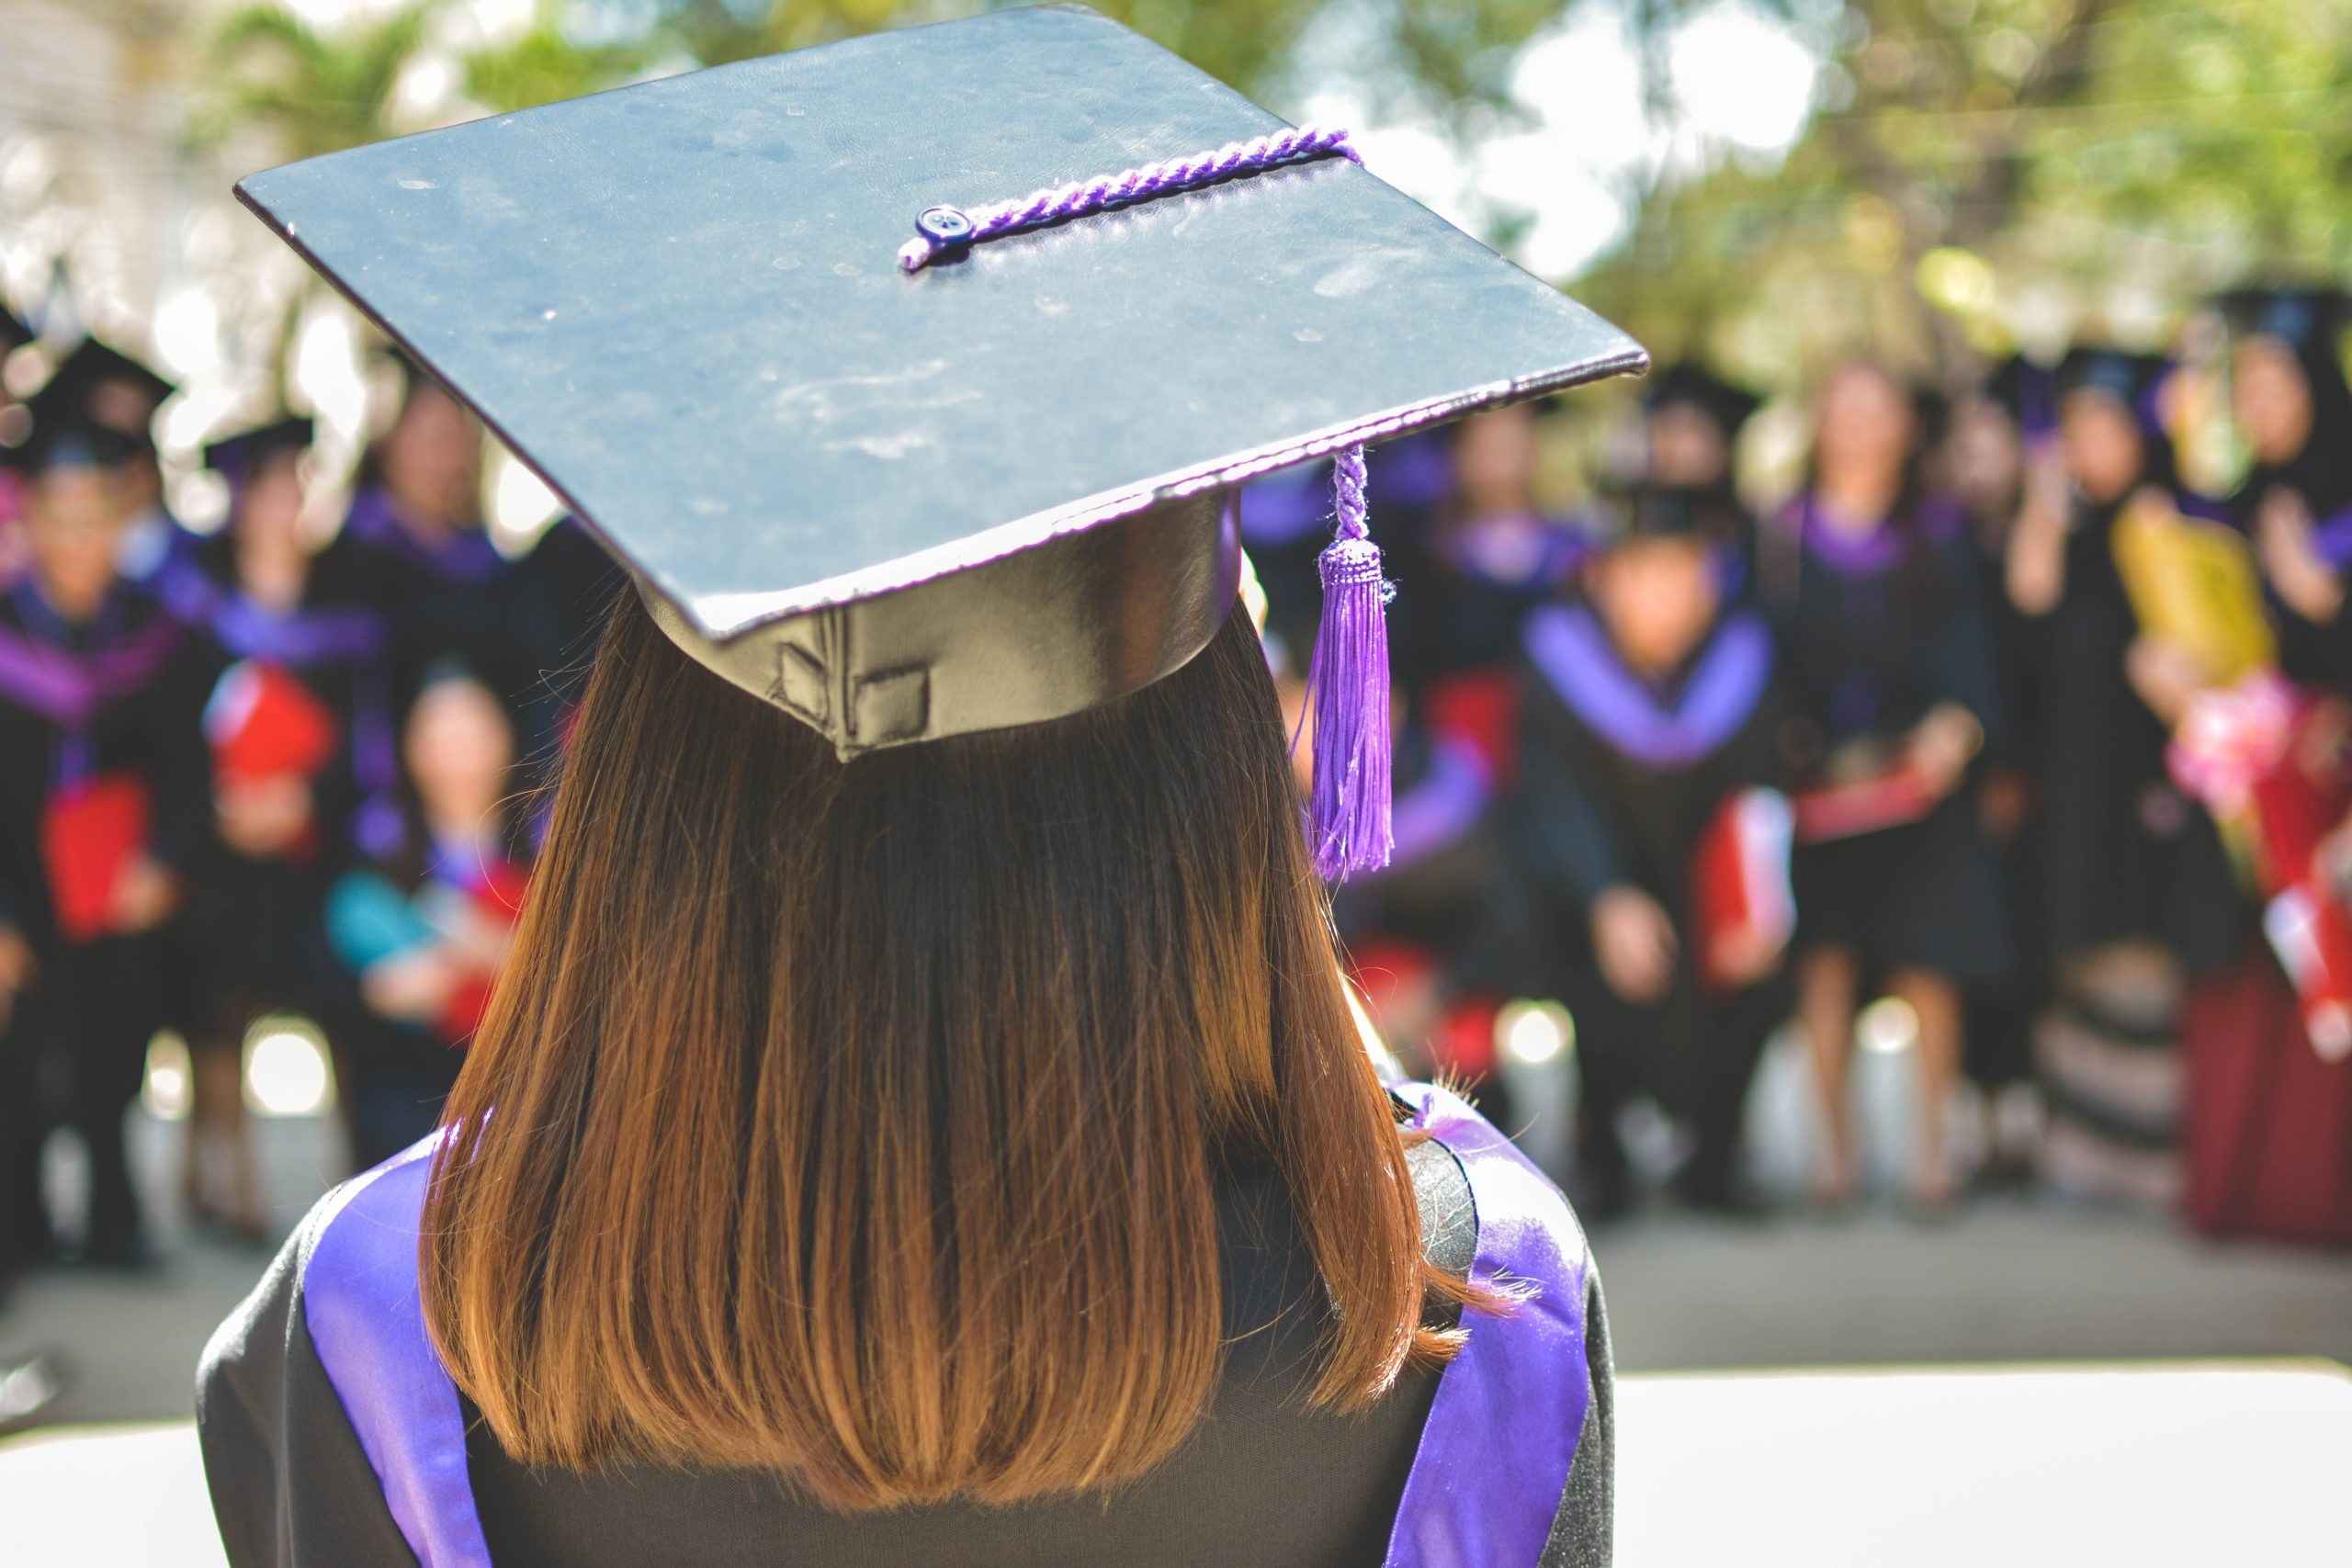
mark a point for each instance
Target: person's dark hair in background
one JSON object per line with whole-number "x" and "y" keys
{"x": 1652, "y": 712}
{"x": 103, "y": 800}
{"x": 417, "y": 512}
{"x": 2131, "y": 886}
{"x": 298, "y": 724}
{"x": 1693, "y": 420}
{"x": 1980, "y": 461}
{"x": 2293, "y": 407}
{"x": 421, "y": 925}
{"x": 1873, "y": 594}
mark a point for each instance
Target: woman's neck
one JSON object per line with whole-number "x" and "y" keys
{"x": 272, "y": 577}
{"x": 1857, "y": 503}
{"x": 472, "y": 820}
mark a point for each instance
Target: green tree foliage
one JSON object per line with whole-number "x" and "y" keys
{"x": 1978, "y": 170}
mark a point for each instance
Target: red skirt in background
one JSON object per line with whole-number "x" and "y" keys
{"x": 2268, "y": 1124}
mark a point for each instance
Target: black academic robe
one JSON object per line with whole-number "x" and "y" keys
{"x": 256, "y": 922}
{"x": 522, "y": 626}
{"x": 1619, "y": 778}
{"x": 1262, "y": 1480}
{"x": 1873, "y": 634}
{"x": 98, "y": 999}
{"x": 2315, "y": 652}
{"x": 2120, "y": 852}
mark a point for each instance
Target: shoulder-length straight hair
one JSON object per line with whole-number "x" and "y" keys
{"x": 860, "y": 1121}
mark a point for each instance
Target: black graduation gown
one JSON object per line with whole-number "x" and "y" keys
{"x": 1619, "y": 781}
{"x": 1872, "y": 636}
{"x": 256, "y": 923}
{"x": 518, "y": 624}
{"x": 1262, "y": 1480}
{"x": 2318, "y": 653}
{"x": 96, "y": 1001}
{"x": 2120, "y": 854}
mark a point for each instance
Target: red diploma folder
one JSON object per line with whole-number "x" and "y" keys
{"x": 1888, "y": 798}
{"x": 263, "y": 721}
{"x": 89, "y": 831}
{"x": 1741, "y": 899}
{"x": 2311, "y": 935}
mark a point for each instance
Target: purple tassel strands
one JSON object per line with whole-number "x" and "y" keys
{"x": 1348, "y": 816}
{"x": 940, "y": 229}
{"x": 1348, "y": 813}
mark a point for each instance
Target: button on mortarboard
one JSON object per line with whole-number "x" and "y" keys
{"x": 681, "y": 303}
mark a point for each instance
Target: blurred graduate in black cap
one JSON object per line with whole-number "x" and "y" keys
{"x": 928, "y": 829}
{"x": 1652, "y": 838}
{"x": 2131, "y": 886}
{"x": 299, "y": 725}
{"x": 104, "y": 791}
{"x": 1993, "y": 431}
{"x": 123, "y": 394}
{"x": 1693, "y": 420}
{"x": 2294, "y": 410}
{"x": 1873, "y": 590}
{"x": 449, "y": 591}
{"x": 1494, "y": 556}
{"x": 419, "y": 923}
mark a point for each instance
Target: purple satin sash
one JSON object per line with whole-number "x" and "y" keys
{"x": 1863, "y": 555}
{"x": 69, "y": 688}
{"x": 296, "y": 638}
{"x": 1494, "y": 1459}
{"x": 2333, "y": 538}
{"x": 1577, "y": 660}
{"x": 367, "y": 1322}
{"x": 462, "y": 556}
{"x": 1447, "y": 802}
{"x": 1486, "y": 1480}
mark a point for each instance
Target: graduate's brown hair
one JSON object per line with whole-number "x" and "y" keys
{"x": 860, "y": 1121}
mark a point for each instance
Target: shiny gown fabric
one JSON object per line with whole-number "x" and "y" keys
{"x": 333, "y": 1433}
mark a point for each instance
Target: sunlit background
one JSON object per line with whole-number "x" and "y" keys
{"x": 1769, "y": 185}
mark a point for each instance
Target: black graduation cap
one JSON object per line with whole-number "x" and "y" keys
{"x": 1686, "y": 381}
{"x": 237, "y": 457}
{"x": 2310, "y": 320}
{"x": 61, "y": 433}
{"x": 981, "y": 485}
{"x": 1704, "y": 512}
{"x": 2129, "y": 379}
{"x": 95, "y": 366}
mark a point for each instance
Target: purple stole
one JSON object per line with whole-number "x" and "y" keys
{"x": 71, "y": 688}
{"x": 1435, "y": 813}
{"x": 462, "y": 558}
{"x": 1575, "y": 657}
{"x": 1486, "y": 1483}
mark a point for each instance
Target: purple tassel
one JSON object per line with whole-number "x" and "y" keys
{"x": 1348, "y": 683}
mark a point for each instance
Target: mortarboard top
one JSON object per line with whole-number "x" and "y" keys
{"x": 682, "y": 302}
{"x": 93, "y": 365}
{"x": 235, "y": 457}
{"x": 2129, "y": 379}
{"x": 1645, "y": 511}
{"x": 61, "y": 433}
{"x": 1688, "y": 382}
{"x": 2309, "y": 320}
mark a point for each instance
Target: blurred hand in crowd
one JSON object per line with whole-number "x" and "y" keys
{"x": 2291, "y": 557}
{"x": 2037, "y": 552}
{"x": 144, "y": 893}
{"x": 1634, "y": 942}
{"x": 263, "y": 817}
{"x": 1942, "y": 745}
{"x": 2166, "y": 676}
{"x": 1746, "y": 955}
{"x": 416, "y": 985}
{"x": 17, "y": 966}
